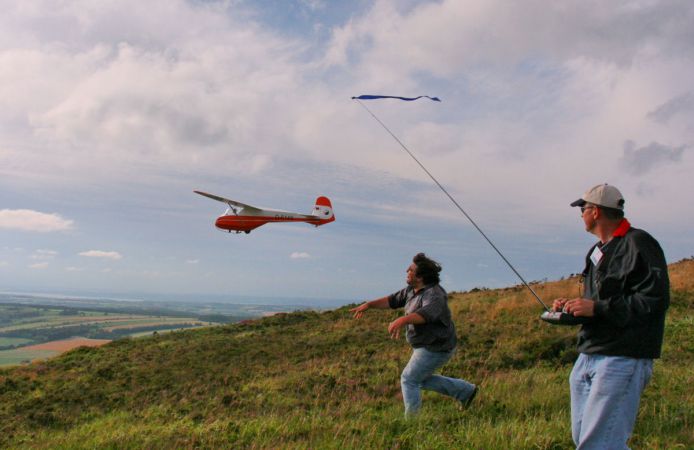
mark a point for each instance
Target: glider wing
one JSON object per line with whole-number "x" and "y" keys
{"x": 231, "y": 203}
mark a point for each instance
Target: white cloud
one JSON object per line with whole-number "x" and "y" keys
{"x": 299, "y": 255}
{"x": 42, "y": 265}
{"x": 496, "y": 32}
{"x": 129, "y": 91}
{"x": 192, "y": 261}
{"x": 4, "y": 264}
{"x": 101, "y": 254}
{"x": 44, "y": 254}
{"x": 29, "y": 220}
{"x": 74, "y": 269}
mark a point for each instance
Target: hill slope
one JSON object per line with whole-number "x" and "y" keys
{"x": 324, "y": 380}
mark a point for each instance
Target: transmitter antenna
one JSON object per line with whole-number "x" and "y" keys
{"x": 537, "y": 297}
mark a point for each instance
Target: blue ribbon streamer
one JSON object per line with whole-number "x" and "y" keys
{"x": 407, "y": 99}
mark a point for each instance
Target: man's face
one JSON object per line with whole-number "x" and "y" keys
{"x": 589, "y": 213}
{"x": 411, "y": 277}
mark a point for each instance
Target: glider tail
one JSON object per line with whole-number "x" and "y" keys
{"x": 323, "y": 209}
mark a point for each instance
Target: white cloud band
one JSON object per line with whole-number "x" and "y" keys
{"x": 101, "y": 254}
{"x": 29, "y": 220}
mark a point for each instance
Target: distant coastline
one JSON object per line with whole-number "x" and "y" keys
{"x": 293, "y": 303}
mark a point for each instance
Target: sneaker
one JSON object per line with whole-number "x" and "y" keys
{"x": 466, "y": 403}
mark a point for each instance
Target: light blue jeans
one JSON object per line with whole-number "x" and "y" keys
{"x": 419, "y": 374}
{"x": 605, "y": 394}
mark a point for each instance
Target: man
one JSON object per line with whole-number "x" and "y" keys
{"x": 626, "y": 294}
{"x": 430, "y": 331}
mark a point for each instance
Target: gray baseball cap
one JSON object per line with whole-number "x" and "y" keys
{"x": 603, "y": 195}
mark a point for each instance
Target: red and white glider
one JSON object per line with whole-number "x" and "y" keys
{"x": 240, "y": 217}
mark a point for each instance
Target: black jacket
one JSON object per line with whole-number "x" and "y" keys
{"x": 631, "y": 290}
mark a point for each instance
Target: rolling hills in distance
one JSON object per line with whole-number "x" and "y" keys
{"x": 37, "y": 326}
{"x": 312, "y": 379}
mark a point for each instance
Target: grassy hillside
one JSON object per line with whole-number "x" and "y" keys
{"x": 324, "y": 380}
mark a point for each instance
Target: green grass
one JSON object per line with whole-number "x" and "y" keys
{"x": 324, "y": 380}
{"x": 150, "y": 320}
{"x": 4, "y": 341}
{"x": 20, "y": 356}
{"x": 51, "y": 321}
{"x": 140, "y": 334}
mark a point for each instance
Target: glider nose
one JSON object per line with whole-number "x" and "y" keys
{"x": 219, "y": 223}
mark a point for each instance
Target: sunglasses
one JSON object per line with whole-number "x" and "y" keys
{"x": 583, "y": 208}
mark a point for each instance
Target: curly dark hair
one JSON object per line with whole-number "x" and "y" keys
{"x": 427, "y": 269}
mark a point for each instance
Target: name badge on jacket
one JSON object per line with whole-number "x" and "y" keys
{"x": 596, "y": 256}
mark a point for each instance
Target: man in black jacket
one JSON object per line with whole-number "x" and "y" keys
{"x": 626, "y": 294}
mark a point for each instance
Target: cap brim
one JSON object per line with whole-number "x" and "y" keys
{"x": 579, "y": 202}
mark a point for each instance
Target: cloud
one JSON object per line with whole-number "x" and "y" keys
{"x": 299, "y": 255}
{"x": 42, "y": 265}
{"x": 101, "y": 254}
{"x": 680, "y": 105}
{"x": 146, "y": 94}
{"x": 44, "y": 254}
{"x": 4, "y": 264}
{"x": 313, "y": 5}
{"x": 192, "y": 261}
{"x": 495, "y": 32}
{"x": 74, "y": 269}
{"x": 638, "y": 161}
{"x": 28, "y": 220}
{"x": 194, "y": 91}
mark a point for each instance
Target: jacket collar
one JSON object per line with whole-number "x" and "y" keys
{"x": 622, "y": 229}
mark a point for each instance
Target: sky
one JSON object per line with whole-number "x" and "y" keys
{"x": 113, "y": 112}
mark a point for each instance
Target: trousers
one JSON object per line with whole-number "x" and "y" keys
{"x": 419, "y": 374}
{"x": 605, "y": 396}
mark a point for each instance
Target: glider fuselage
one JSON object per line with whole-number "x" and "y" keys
{"x": 247, "y": 222}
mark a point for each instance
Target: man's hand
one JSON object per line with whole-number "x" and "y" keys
{"x": 395, "y": 326}
{"x": 558, "y": 304}
{"x": 580, "y": 307}
{"x": 359, "y": 310}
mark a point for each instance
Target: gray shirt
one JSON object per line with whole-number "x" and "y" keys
{"x": 431, "y": 302}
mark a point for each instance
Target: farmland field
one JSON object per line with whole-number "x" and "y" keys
{"x": 13, "y": 342}
{"x": 21, "y": 356}
{"x": 28, "y": 333}
{"x": 67, "y": 344}
{"x": 28, "y": 321}
{"x": 45, "y": 350}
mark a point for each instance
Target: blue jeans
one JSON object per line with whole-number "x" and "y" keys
{"x": 605, "y": 394}
{"x": 419, "y": 374}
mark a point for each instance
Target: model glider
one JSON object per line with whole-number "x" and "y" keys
{"x": 240, "y": 217}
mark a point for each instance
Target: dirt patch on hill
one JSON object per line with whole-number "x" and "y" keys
{"x": 68, "y": 344}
